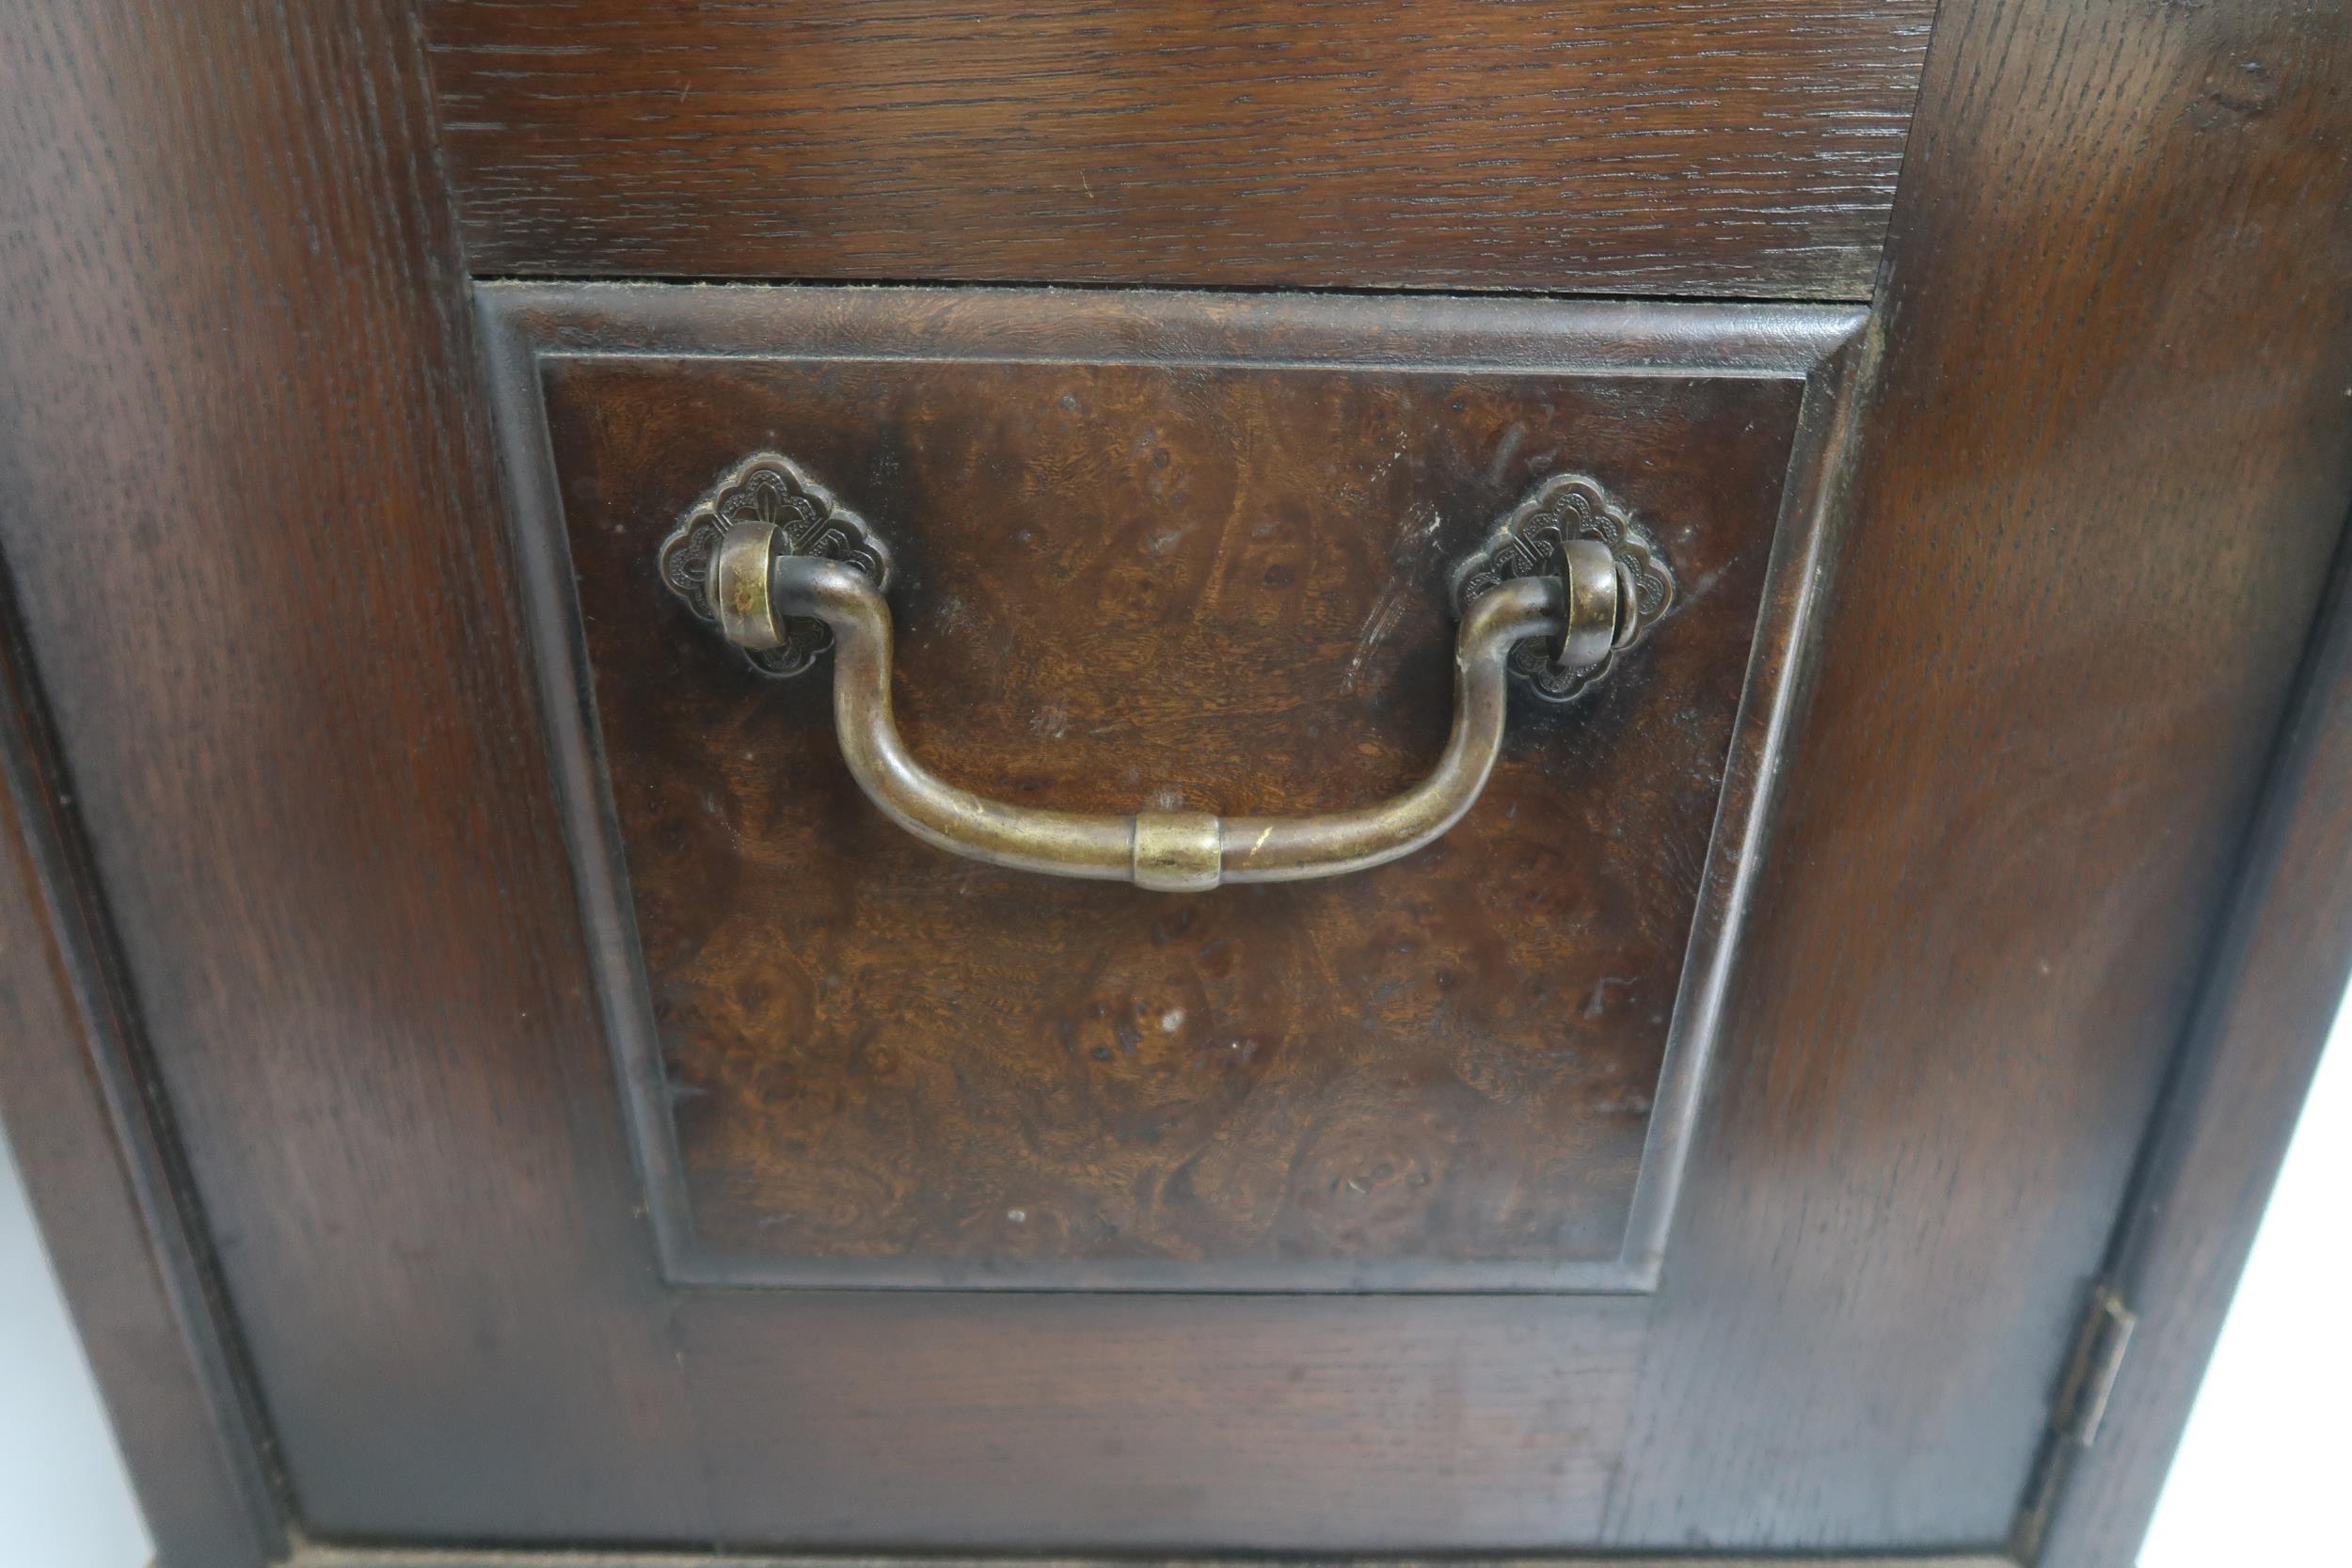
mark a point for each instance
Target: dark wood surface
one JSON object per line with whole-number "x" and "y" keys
{"x": 1647, "y": 146}
{"x": 1209, "y": 586}
{"x": 2082, "y": 541}
{"x": 130, "y": 1256}
{"x": 2270, "y": 999}
{"x": 239, "y": 376}
{"x": 2100, "y": 478}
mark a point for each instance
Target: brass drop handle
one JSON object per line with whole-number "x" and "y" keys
{"x": 779, "y": 566}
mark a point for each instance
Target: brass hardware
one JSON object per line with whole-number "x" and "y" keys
{"x": 1563, "y": 587}
{"x": 1535, "y": 538}
{"x": 2084, "y": 1392}
{"x": 739, "y": 588}
{"x": 731, "y": 592}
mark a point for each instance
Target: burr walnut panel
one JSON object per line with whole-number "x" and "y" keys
{"x": 1201, "y": 567}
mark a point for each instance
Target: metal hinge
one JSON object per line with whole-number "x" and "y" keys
{"x": 2082, "y": 1402}
{"x": 2081, "y": 1405}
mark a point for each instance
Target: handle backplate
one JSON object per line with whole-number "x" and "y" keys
{"x": 1532, "y": 540}
{"x": 771, "y": 490}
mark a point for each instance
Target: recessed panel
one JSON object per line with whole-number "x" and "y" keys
{"x": 1169, "y": 556}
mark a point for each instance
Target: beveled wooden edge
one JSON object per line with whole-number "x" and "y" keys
{"x": 106, "y": 1186}
{"x": 2274, "y": 981}
{"x": 523, "y": 324}
{"x": 559, "y": 672}
{"x": 1780, "y": 668}
{"x": 1166, "y": 327}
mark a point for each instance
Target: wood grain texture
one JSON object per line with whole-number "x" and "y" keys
{"x": 1281, "y": 1421}
{"x": 2273, "y": 992}
{"x": 1216, "y": 585}
{"x": 2099, "y": 486}
{"x": 246, "y": 502}
{"x": 2088, "y": 525}
{"x": 1650, "y": 145}
{"x": 130, "y": 1257}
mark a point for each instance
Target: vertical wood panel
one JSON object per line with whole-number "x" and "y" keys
{"x": 101, "y": 1181}
{"x": 2277, "y": 983}
{"x": 245, "y": 498}
{"x": 2095, "y": 501}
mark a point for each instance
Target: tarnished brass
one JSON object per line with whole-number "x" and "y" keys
{"x": 738, "y": 587}
{"x": 1538, "y": 538}
{"x": 730, "y": 590}
{"x": 1179, "y": 851}
{"x": 1566, "y": 592}
{"x": 1588, "y": 629}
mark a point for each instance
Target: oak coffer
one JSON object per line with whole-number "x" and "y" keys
{"x": 1423, "y": 779}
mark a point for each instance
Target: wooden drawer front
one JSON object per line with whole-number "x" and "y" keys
{"x": 1745, "y": 149}
{"x": 1154, "y": 551}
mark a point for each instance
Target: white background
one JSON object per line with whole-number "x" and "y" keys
{"x": 2258, "y": 1479}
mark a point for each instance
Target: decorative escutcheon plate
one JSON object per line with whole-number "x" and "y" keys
{"x": 1529, "y": 542}
{"x": 770, "y": 488}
